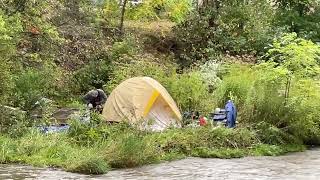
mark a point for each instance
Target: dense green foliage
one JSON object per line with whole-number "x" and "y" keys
{"x": 243, "y": 27}
{"x": 175, "y": 10}
{"x": 282, "y": 93}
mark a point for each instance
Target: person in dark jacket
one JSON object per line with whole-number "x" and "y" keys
{"x": 231, "y": 114}
{"x": 95, "y": 99}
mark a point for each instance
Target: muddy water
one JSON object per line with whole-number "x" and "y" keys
{"x": 304, "y": 166}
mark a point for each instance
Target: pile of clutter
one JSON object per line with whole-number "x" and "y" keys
{"x": 220, "y": 117}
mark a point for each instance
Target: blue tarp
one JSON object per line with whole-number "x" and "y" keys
{"x": 54, "y": 128}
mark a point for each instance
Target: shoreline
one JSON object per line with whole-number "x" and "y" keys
{"x": 162, "y": 162}
{"x": 128, "y": 148}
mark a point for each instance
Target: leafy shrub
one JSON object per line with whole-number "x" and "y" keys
{"x": 304, "y": 117}
{"x": 175, "y": 10}
{"x": 111, "y": 9}
{"x": 235, "y": 85}
{"x": 300, "y": 17}
{"x": 190, "y": 92}
{"x": 255, "y": 91}
{"x": 232, "y": 27}
{"x": 88, "y": 133}
{"x": 269, "y": 134}
{"x": 31, "y": 85}
{"x": 13, "y": 122}
{"x": 261, "y": 95}
{"x": 127, "y": 47}
{"x": 148, "y": 10}
{"x": 6, "y": 83}
{"x": 93, "y": 75}
{"x": 10, "y": 27}
{"x": 209, "y": 73}
{"x": 299, "y": 56}
{"x": 218, "y": 153}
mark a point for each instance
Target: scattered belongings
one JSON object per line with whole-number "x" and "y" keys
{"x": 202, "y": 121}
{"x": 227, "y": 116}
{"x": 219, "y": 115}
{"x": 144, "y": 102}
{"x": 54, "y": 128}
{"x": 55, "y": 116}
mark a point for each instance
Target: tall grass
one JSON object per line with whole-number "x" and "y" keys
{"x": 127, "y": 147}
{"x": 261, "y": 96}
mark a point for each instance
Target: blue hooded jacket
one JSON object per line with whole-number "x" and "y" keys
{"x": 231, "y": 114}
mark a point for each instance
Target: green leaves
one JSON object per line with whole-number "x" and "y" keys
{"x": 299, "y": 56}
{"x": 232, "y": 27}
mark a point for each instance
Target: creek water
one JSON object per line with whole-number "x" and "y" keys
{"x": 302, "y": 165}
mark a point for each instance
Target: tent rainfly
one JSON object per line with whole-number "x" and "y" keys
{"x": 142, "y": 101}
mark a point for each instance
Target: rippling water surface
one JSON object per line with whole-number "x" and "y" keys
{"x": 304, "y": 166}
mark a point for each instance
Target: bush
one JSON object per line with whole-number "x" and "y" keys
{"x": 269, "y": 134}
{"x": 235, "y": 85}
{"x": 32, "y": 84}
{"x": 301, "y": 57}
{"x": 261, "y": 95}
{"x": 231, "y": 27}
{"x": 6, "y": 82}
{"x": 304, "y": 119}
{"x": 209, "y": 73}
{"x": 127, "y": 47}
{"x": 178, "y": 10}
{"x": 300, "y": 17}
{"x": 130, "y": 150}
{"x": 111, "y": 9}
{"x": 190, "y": 92}
{"x": 93, "y": 75}
{"x": 10, "y": 27}
{"x": 88, "y": 133}
{"x": 13, "y": 122}
{"x": 175, "y": 10}
{"x": 218, "y": 153}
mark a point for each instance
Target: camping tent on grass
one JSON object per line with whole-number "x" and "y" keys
{"x": 142, "y": 101}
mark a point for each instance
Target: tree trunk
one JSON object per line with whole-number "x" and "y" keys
{"x": 123, "y": 10}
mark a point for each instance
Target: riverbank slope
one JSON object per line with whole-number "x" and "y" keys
{"x": 120, "y": 146}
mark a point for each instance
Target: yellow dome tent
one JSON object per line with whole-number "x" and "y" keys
{"x": 142, "y": 101}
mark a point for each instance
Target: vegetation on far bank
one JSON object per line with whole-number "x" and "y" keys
{"x": 265, "y": 56}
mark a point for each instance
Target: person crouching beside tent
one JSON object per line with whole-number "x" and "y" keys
{"x": 231, "y": 114}
{"x": 95, "y": 99}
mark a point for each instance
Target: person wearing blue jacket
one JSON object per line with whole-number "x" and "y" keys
{"x": 231, "y": 114}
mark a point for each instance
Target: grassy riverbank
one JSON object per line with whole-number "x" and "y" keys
{"x": 108, "y": 147}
